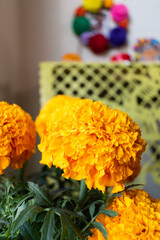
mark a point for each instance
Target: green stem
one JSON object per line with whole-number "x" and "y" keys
{"x": 83, "y": 191}
{"x": 21, "y": 172}
{"x": 7, "y": 202}
{"x": 105, "y": 195}
{"x": 87, "y": 226}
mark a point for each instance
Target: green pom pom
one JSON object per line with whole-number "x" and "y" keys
{"x": 81, "y": 25}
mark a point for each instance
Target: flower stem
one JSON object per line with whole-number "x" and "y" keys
{"x": 21, "y": 172}
{"x": 87, "y": 226}
{"x": 83, "y": 191}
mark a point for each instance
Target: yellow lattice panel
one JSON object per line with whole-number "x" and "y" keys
{"x": 133, "y": 88}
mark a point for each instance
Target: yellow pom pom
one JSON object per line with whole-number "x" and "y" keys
{"x": 108, "y": 3}
{"x": 92, "y": 5}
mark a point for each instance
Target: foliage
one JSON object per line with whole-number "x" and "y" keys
{"x": 101, "y": 150}
{"x": 30, "y": 211}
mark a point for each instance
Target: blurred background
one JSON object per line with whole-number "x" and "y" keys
{"x": 34, "y": 31}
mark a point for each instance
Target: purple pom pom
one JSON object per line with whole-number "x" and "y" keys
{"x": 118, "y": 37}
{"x": 85, "y": 37}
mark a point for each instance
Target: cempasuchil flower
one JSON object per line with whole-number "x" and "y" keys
{"x": 90, "y": 141}
{"x": 138, "y": 218}
{"x": 49, "y": 108}
{"x": 17, "y": 136}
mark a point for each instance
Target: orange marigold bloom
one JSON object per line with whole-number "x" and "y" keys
{"x": 90, "y": 141}
{"x": 17, "y": 136}
{"x": 138, "y": 218}
{"x": 48, "y": 108}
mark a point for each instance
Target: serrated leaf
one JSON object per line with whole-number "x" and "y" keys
{"x": 92, "y": 210}
{"x": 22, "y": 200}
{"x": 109, "y": 213}
{"x": 83, "y": 191}
{"x": 65, "y": 201}
{"x": 61, "y": 211}
{"x": 2, "y": 221}
{"x": 93, "y": 207}
{"x": 40, "y": 217}
{"x": 82, "y": 216}
{"x": 48, "y": 226}
{"x": 101, "y": 228}
{"x": 29, "y": 233}
{"x": 69, "y": 229}
{"x": 20, "y": 209}
{"x": 40, "y": 195}
{"x": 25, "y": 215}
{"x": 73, "y": 230}
{"x": 58, "y": 194}
{"x": 64, "y": 234}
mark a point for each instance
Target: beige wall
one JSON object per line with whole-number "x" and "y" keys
{"x": 45, "y": 34}
{"x": 32, "y": 31}
{"x": 9, "y": 48}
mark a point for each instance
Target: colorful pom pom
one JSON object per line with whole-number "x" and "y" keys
{"x": 81, "y": 25}
{"x": 80, "y": 12}
{"x": 124, "y": 23}
{"x": 147, "y": 50}
{"x": 92, "y": 5}
{"x": 108, "y": 3}
{"x": 71, "y": 57}
{"x": 92, "y": 28}
{"x": 118, "y": 37}
{"x": 119, "y": 13}
{"x": 120, "y": 57}
{"x": 98, "y": 43}
{"x": 85, "y": 37}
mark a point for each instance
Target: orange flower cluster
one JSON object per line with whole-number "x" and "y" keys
{"x": 17, "y": 136}
{"x": 48, "y": 108}
{"x": 90, "y": 141}
{"x": 138, "y": 218}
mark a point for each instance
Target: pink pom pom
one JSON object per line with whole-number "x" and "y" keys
{"x": 119, "y": 13}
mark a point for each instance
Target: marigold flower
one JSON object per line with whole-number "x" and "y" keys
{"x": 17, "y": 136}
{"x": 90, "y": 141}
{"x": 138, "y": 218}
{"x": 48, "y": 108}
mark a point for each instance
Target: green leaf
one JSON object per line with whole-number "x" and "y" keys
{"x": 48, "y": 226}
{"x": 101, "y": 228}
{"x": 2, "y": 221}
{"x": 40, "y": 217}
{"x": 25, "y": 215}
{"x": 29, "y": 233}
{"x": 83, "y": 191}
{"x": 41, "y": 196}
{"x": 22, "y": 200}
{"x": 109, "y": 213}
{"x": 20, "y": 209}
{"x": 93, "y": 207}
{"x": 65, "y": 212}
{"x": 133, "y": 186}
{"x": 4, "y": 238}
{"x": 69, "y": 229}
{"x": 73, "y": 230}
{"x": 92, "y": 210}
{"x": 58, "y": 194}
{"x": 64, "y": 234}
